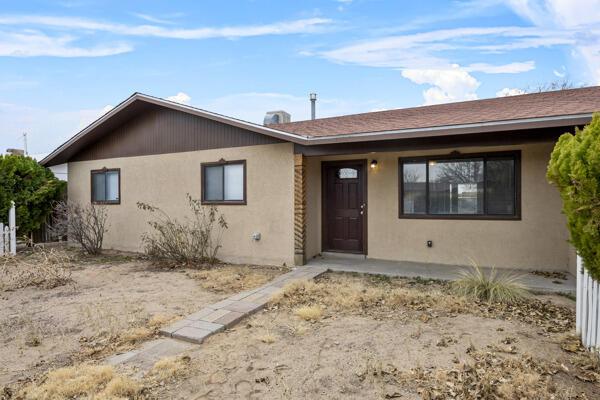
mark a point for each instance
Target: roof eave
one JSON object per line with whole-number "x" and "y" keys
{"x": 287, "y": 136}
{"x": 463, "y": 129}
{"x": 447, "y": 130}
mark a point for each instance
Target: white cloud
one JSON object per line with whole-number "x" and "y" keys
{"x": 448, "y": 85}
{"x": 152, "y": 19}
{"x": 509, "y": 92}
{"x": 560, "y": 73}
{"x": 422, "y": 57}
{"x": 423, "y": 50}
{"x": 512, "y": 68}
{"x": 180, "y": 97}
{"x": 307, "y": 25}
{"x": 32, "y": 44}
{"x": 576, "y": 20}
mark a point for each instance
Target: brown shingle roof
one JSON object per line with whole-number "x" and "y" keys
{"x": 535, "y": 105}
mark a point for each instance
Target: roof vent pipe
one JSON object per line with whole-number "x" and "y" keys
{"x": 313, "y": 105}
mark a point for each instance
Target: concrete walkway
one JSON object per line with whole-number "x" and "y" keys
{"x": 407, "y": 269}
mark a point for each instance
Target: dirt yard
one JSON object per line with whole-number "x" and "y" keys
{"x": 107, "y": 303}
{"x": 391, "y": 338}
{"x": 343, "y": 336}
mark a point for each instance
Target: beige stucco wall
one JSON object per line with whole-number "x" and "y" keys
{"x": 537, "y": 241}
{"x": 163, "y": 180}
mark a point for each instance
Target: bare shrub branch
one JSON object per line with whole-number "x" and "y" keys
{"x": 193, "y": 240}
{"x": 43, "y": 268}
{"x": 85, "y": 225}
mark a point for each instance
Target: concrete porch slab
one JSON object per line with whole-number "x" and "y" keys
{"x": 408, "y": 269}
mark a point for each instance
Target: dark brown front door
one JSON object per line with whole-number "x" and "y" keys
{"x": 344, "y": 206}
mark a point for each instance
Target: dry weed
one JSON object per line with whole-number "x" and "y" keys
{"x": 136, "y": 335}
{"x": 43, "y": 268}
{"x": 234, "y": 278}
{"x": 82, "y": 381}
{"x": 118, "y": 332}
{"x": 344, "y": 293}
{"x": 488, "y": 376}
{"x": 309, "y": 313}
{"x": 170, "y": 367}
{"x": 267, "y": 338}
{"x": 588, "y": 365}
{"x": 159, "y": 320}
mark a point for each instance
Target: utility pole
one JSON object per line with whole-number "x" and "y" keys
{"x": 25, "y": 143}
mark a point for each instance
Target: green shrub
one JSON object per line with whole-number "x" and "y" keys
{"x": 575, "y": 169}
{"x": 494, "y": 288}
{"x": 32, "y": 187}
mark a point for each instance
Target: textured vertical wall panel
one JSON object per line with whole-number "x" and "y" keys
{"x": 163, "y": 131}
{"x": 299, "y": 209}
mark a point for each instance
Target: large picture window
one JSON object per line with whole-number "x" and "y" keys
{"x": 224, "y": 182}
{"x": 461, "y": 186}
{"x": 106, "y": 186}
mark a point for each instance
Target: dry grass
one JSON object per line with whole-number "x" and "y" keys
{"x": 358, "y": 295}
{"x": 235, "y": 278}
{"x": 487, "y": 376}
{"x": 505, "y": 287}
{"x": 267, "y": 337}
{"x": 83, "y": 381}
{"x": 43, "y": 268}
{"x": 159, "y": 320}
{"x": 170, "y": 367}
{"x": 588, "y": 364}
{"x": 136, "y": 335}
{"x": 397, "y": 297}
{"x": 114, "y": 333}
{"x": 309, "y": 313}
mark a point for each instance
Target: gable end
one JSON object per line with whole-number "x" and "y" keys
{"x": 161, "y": 130}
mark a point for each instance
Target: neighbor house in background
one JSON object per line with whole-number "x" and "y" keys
{"x": 441, "y": 184}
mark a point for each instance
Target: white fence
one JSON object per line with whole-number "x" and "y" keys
{"x": 588, "y": 308}
{"x": 8, "y": 234}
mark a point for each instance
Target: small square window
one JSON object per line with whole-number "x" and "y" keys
{"x": 106, "y": 186}
{"x": 224, "y": 182}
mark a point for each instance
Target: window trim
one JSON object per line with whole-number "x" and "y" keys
{"x": 104, "y": 171}
{"x": 203, "y": 166}
{"x": 515, "y": 154}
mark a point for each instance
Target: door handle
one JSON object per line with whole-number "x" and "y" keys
{"x": 362, "y": 208}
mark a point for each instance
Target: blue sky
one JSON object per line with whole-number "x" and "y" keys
{"x": 64, "y": 63}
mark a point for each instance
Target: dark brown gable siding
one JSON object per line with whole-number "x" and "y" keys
{"x": 159, "y": 131}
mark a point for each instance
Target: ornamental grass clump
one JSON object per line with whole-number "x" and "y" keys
{"x": 194, "y": 240}
{"x": 505, "y": 287}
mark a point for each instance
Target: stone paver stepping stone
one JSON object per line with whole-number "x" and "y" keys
{"x": 214, "y": 318}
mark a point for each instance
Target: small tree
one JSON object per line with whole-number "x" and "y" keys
{"x": 194, "y": 240}
{"x": 32, "y": 187}
{"x": 85, "y": 225}
{"x": 575, "y": 169}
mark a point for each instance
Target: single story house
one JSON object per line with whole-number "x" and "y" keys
{"x": 435, "y": 184}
